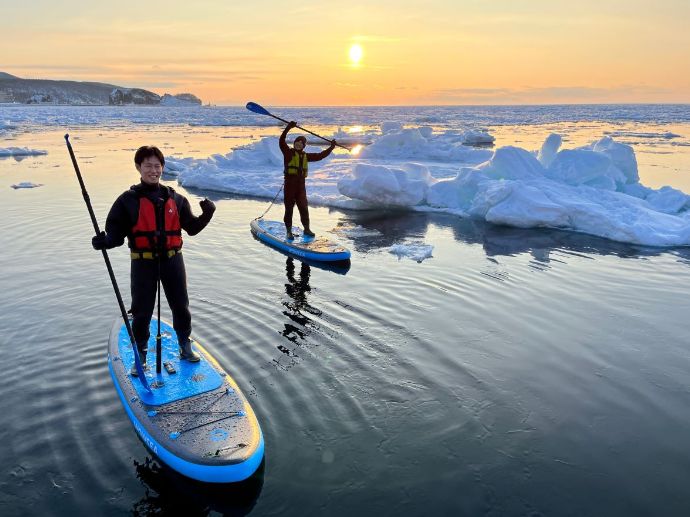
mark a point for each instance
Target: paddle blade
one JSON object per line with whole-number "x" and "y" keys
{"x": 256, "y": 108}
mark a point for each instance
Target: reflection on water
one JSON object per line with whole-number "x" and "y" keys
{"x": 295, "y": 308}
{"x": 388, "y": 228}
{"x": 299, "y": 312}
{"x": 16, "y": 158}
{"x": 169, "y": 493}
{"x": 301, "y": 326}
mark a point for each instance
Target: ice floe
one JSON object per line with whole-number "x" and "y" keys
{"x": 26, "y": 184}
{"x": 20, "y": 151}
{"x": 415, "y": 251}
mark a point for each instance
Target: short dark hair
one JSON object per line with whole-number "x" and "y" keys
{"x": 148, "y": 151}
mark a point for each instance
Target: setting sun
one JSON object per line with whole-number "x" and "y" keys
{"x": 356, "y": 53}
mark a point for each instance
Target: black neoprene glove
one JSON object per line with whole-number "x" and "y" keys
{"x": 207, "y": 206}
{"x": 100, "y": 241}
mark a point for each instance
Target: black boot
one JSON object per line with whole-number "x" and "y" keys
{"x": 308, "y": 232}
{"x": 187, "y": 353}
{"x": 289, "y": 236}
{"x": 133, "y": 372}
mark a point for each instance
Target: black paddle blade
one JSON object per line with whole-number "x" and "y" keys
{"x": 256, "y": 108}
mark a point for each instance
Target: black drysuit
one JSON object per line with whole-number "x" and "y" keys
{"x": 121, "y": 219}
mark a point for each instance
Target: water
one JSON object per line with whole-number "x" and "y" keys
{"x": 517, "y": 372}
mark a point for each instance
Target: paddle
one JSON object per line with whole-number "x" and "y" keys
{"x": 158, "y": 383}
{"x": 137, "y": 360}
{"x": 256, "y": 108}
{"x": 159, "y": 348}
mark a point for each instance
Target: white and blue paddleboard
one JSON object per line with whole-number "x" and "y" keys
{"x": 195, "y": 420}
{"x": 318, "y": 248}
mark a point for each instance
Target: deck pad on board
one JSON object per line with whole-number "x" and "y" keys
{"x": 190, "y": 378}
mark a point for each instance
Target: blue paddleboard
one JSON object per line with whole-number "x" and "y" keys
{"x": 317, "y": 248}
{"x": 195, "y": 420}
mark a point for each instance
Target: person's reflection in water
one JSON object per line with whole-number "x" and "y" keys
{"x": 297, "y": 305}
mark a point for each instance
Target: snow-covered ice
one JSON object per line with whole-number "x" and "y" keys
{"x": 415, "y": 251}
{"x": 593, "y": 189}
{"x": 5, "y": 126}
{"x": 382, "y": 185}
{"x": 418, "y": 144}
{"x": 20, "y": 151}
{"x": 26, "y": 184}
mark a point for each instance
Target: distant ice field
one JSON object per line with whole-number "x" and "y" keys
{"x": 569, "y": 167}
{"x": 450, "y": 116}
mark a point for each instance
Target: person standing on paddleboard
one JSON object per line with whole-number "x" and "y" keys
{"x": 152, "y": 216}
{"x": 296, "y": 168}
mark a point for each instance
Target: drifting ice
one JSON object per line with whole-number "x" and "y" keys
{"x": 593, "y": 189}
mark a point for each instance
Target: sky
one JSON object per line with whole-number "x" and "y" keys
{"x": 432, "y": 52}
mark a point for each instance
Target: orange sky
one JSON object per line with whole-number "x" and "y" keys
{"x": 434, "y": 52}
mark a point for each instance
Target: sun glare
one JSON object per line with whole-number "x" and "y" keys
{"x": 356, "y": 53}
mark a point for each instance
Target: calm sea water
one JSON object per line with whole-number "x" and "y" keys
{"x": 517, "y": 372}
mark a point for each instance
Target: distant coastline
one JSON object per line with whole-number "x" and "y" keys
{"x": 16, "y": 90}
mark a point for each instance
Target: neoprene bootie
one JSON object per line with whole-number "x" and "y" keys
{"x": 133, "y": 372}
{"x": 187, "y": 353}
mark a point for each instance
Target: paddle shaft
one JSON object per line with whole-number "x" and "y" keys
{"x": 160, "y": 218}
{"x": 85, "y": 194}
{"x": 159, "y": 351}
{"x": 306, "y": 130}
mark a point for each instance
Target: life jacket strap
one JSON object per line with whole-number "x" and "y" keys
{"x": 150, "y": 255}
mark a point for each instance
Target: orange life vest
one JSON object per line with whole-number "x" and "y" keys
{"x": 146, "y": 235}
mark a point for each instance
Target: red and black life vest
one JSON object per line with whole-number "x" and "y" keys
{"x": 145, "y": 235}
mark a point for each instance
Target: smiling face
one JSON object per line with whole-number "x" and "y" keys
{"x": 150, "y": 170}
{"x": 298, "y": 145}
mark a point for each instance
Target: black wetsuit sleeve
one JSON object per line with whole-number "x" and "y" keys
{"x": 119, "y": 221}
{"x": 282, "y": 143}
{"x": 315, "y": 157}
{"x": 189, "y": 222}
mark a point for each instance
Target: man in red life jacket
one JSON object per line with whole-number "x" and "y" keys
{"x": 152, "y": 216}
{"x": 296, "y": 168}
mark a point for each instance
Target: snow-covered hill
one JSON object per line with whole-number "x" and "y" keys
{"x": 42, "y": 91}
